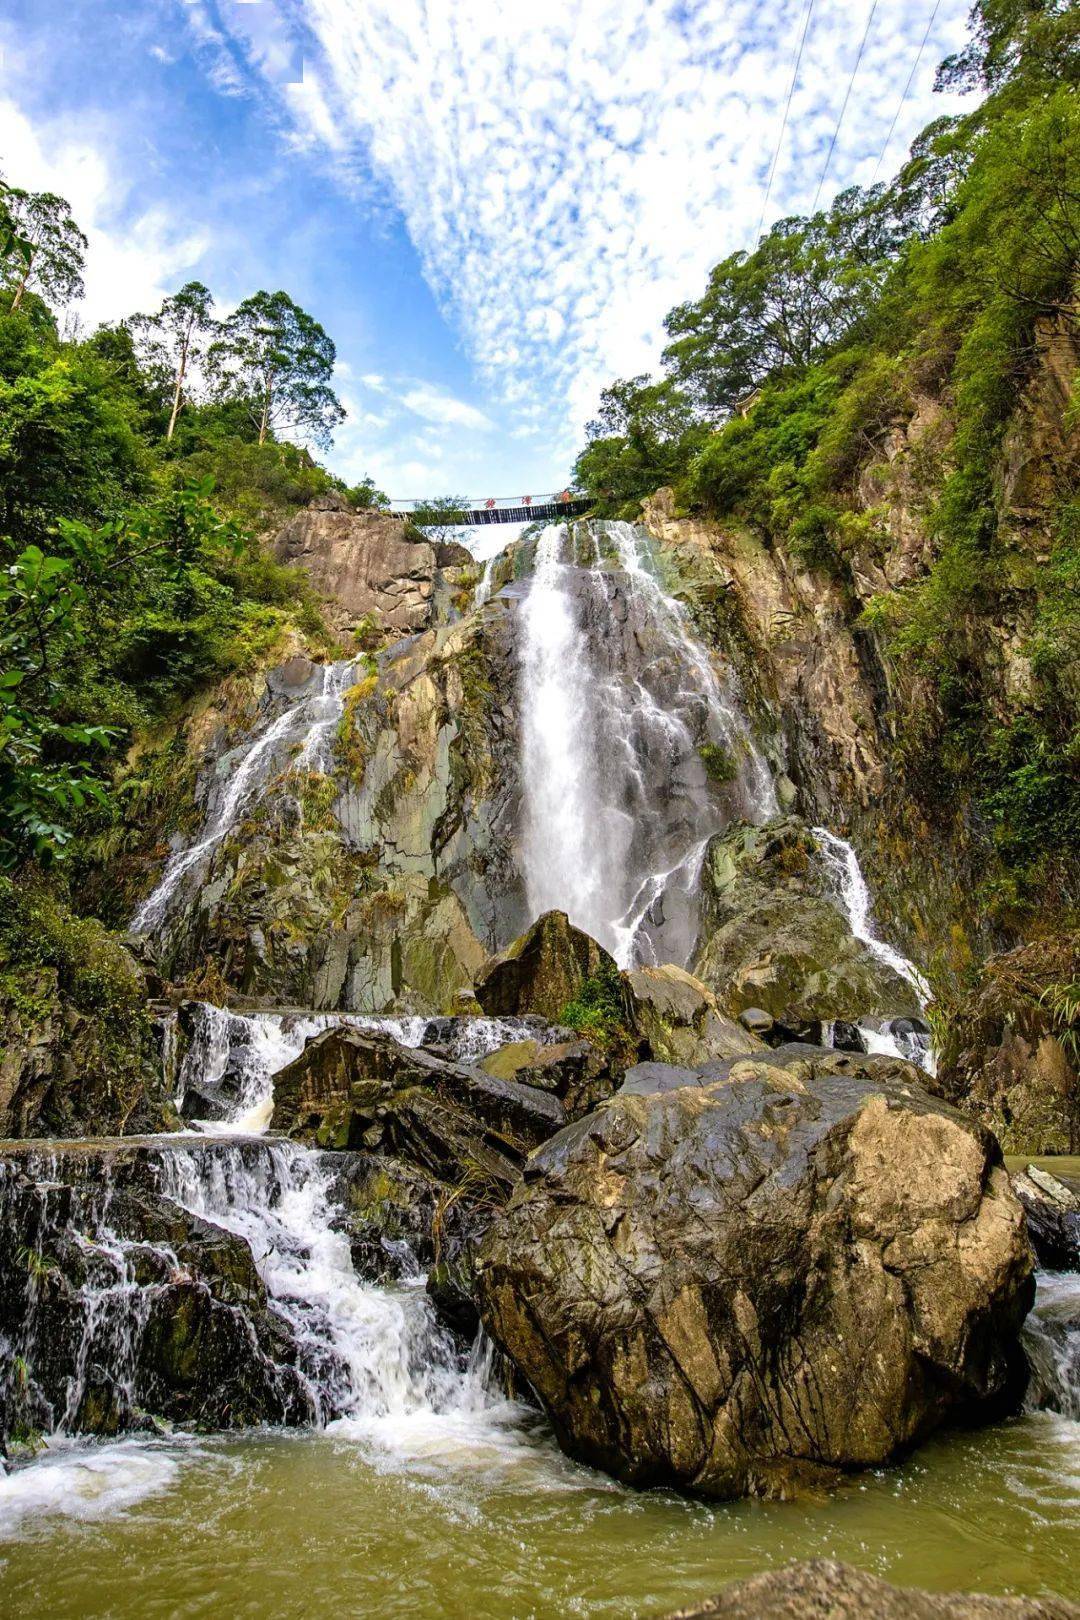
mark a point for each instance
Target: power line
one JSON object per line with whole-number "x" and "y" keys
{"x": 907, "y": 92}
{"x": 787, "y": 109}
{"x": 843, "y": 109}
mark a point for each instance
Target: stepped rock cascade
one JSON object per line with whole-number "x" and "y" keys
{"x": 370, "y": 1354}
{"x": 232, "y": 1057}
{"x": 634, "y": 749}
{"x": 297, "y": 728}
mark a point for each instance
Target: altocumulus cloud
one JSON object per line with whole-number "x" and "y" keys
{"x": 568, "y": 171}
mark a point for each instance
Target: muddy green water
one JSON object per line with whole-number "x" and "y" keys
{"x": 430, "y": 1521}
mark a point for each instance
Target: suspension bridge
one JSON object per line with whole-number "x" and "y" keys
{"x": 472, "y": 513}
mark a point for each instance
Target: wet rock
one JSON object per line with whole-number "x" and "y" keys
{"x": 576, "y": 1071}
{"x": 822, "y": 1587}
{"x": 680, "y": 1020}
{"x": 349, "y": 1088}
{"x": 742, "y": 1284}
{"x": 1053, "y": 1217}
{"x": 542, "y": 971}
{"x": 117, "y": 1306}
{"x": 757, "y": 1021}
{"x": 773, "y": 936}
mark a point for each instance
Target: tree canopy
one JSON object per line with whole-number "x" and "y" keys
{"x": 277, "y": 356}
{"x": 173, "y": 342}
{"x": 45, "y": 250}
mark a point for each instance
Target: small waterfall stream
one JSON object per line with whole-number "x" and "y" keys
{"x": 635, "y": 750}
{"x": 301, "y": 733}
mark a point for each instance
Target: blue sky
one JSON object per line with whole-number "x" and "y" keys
{"x": 489, "y": 204}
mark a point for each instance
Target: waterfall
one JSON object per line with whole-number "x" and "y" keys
{"x": 842, "y": 864}
{"x": 369, "y": 1355}
{"x": 1052, "y": 1344}
{"x": 232, "y": 1057}
{"x": 301, "y": 733}
{"x": 634, "y": 750}
{"x": 365, "y": 1352}
{"x": 483, "y": 590}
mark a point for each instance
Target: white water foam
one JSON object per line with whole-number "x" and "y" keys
{"x": 842, "y": 863}
{"x": 618, "y": 802}
{"x": 76, "y": 1480}
{"x": 377, "y": 1366}
{"x": 1052, "y": 1345}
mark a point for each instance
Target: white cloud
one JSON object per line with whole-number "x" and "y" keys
{"x": 443, "y": 409}
{"x": 568, "y": 172}
{"x": 131, "y": 263}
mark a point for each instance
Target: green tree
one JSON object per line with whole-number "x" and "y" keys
{"x": 175, "y": 340}
{"x": 48, "y": 250}
{"x": 366, "y": 494}
{"x": 641, "y": 437}
{"x": 777, "y": 310}
{"x": 277, "y": 356}
{"x": 441, "y": 516}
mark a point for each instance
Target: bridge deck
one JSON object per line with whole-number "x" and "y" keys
{"x": 502, "y": 512}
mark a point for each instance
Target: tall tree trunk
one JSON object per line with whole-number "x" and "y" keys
{"x": 21, "y": 288}
{"x": 175, "y": 412}
{"x": 264, "y": 423}
{"x": 178, "y": 391}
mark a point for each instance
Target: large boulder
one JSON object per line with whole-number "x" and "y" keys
{"x": 774, "y": 937}
{"x": 825, "y": 1590}
{"x": 740, "y": 1284}
{"x": 544, "y": 970}
{"x": 354, "y": 1089}
{"x": 680, "y": 1020}
{"x": 119, "y": 1307}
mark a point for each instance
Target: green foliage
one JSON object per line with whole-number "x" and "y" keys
{"x": 41, "y": 247}
{"x": 810, "y": 284}
{"x": 366, "y": 494}
{"x": 641, "y": 438}
{"x": 720, "y": 763}
{"x": 172, "y": 343}
{"x": 598, "y": 1009}
{"x": 276, "y": 357}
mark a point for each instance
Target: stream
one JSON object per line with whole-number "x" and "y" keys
{"x": 418, "y": 1486}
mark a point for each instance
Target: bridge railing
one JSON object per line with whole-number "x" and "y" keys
{"x": 495, "y": 509}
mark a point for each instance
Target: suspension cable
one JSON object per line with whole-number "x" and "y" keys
{"x": 787, "y": 109}
{"x": 843, "y": 109}
{"x": 907, "y": 92}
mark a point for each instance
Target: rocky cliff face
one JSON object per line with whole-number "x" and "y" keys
{"x": 857, "y": 723}
{"x": 372, "y": 570}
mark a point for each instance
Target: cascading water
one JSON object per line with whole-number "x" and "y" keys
{"x": 232, "y": 1057}
{"x": 634, "y": 750}
{"x": 301, "y": 733}
{"x": 894, "y": 1037}
{"x": 843, "y": 865}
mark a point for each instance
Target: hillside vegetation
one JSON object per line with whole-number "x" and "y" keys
{"x": 943, "y": 307}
